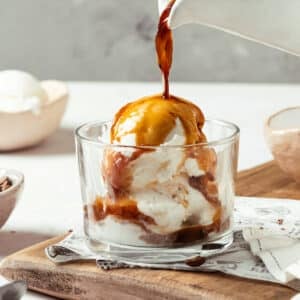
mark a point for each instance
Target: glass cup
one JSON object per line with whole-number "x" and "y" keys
{"x": 173, "y": 201}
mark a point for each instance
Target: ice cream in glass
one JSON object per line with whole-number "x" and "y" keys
{"x": 160, "y": 174}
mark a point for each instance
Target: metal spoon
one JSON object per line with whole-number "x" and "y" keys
{"x": 13, "y": 291}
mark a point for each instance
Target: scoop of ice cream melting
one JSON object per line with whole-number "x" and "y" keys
{"x": 156, "y": 180}
{"x": 154, "y": 121}
{"x": 20, "y": 91}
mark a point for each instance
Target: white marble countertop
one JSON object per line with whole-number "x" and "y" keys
{"x": 51, "y": 202}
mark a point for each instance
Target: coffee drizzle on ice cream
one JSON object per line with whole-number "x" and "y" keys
{"x": 155, "y": 118}
{"x": 125, "y": 209}
{"x": 164, "y": 47}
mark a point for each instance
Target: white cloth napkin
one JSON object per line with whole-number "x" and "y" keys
{"x": 273, "y": 233}
{"x": 280, "y": 253}
{"x": 266, "y": 245}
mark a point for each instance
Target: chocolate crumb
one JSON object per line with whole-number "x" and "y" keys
{"x": 280, "y": 221}
{"x": 196, "y": 261}
{"x": 5, "y": 183}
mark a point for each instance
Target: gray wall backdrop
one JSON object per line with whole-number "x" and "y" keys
{"x": 113, "y": 40}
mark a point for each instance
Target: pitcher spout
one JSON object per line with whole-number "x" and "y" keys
{"x": 274, "y": 23}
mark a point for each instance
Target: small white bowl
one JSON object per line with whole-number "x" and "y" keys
{"x": 24, "y": 129}
{"x": 9, "y": 197}
{"x": 282, "y": 131}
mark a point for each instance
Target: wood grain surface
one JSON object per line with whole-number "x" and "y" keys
{"x": 85, "y": 281}
{"x": 267, "y": 180}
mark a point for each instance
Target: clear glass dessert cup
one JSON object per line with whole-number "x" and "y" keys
{"x": 158, "y": 204}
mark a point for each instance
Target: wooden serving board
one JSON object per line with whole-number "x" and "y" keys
{"x": 85, "y": 281}
{"x": 267, "y": 180}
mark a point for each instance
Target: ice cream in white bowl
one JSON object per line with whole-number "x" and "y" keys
{"x": 30, "y": 110}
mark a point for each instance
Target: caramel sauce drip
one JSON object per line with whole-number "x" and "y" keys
{"x": 206, "y": 158}
{"x": 164, "y": 47}
{"x": 187, "y": 234}
{"x": 154, "y": 118}
{"x": 116, "y": 173}
{"x": 207, "y": 185}
{"x": 124, "y": 209}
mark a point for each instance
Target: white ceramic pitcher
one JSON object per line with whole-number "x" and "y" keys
{"x": 275, "y": 23}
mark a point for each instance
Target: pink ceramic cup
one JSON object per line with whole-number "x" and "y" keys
{"x": 282, "y": 131}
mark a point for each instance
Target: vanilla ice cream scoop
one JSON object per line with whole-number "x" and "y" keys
{"x": 31, "y": 109}
{"x": 159, "y": 174}
{"x": 20, "y": 91}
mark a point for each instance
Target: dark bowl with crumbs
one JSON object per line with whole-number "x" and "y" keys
{"x": 11, "y": 187}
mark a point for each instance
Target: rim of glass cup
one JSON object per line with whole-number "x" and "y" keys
{"x": 231, "y": 137}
